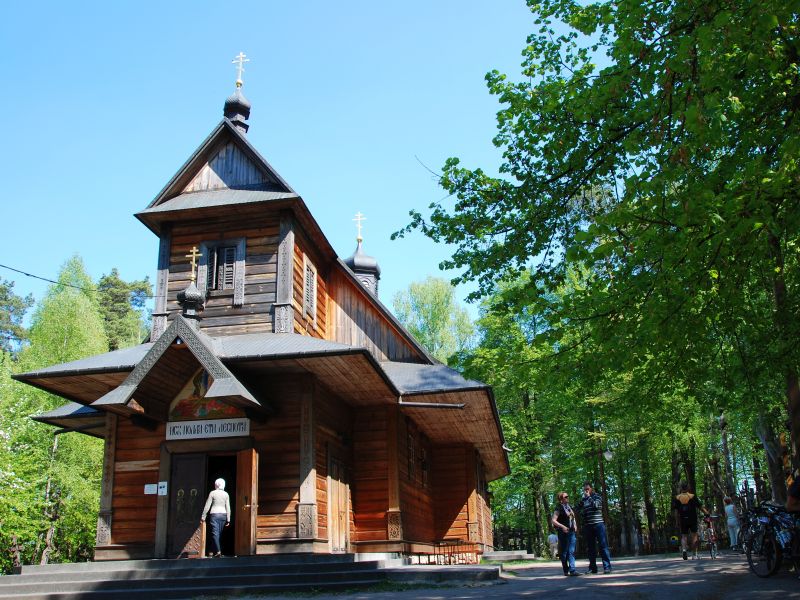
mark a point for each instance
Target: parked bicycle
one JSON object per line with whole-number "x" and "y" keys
{"x": 772, "y": 535}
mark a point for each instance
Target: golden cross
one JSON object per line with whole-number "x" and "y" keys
{"x": 359, "y": 218}
{"x": 194, "y": 255}
{"x": 240, "y": 59}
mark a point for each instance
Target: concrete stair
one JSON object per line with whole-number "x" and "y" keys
{"x": 185, "y": 579}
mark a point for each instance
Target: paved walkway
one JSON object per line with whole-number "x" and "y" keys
{"x": 641, "y": 578}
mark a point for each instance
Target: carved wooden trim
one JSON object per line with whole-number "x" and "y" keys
{"x": 472, "y": 532}
{"x": 238, "y": 273}
{"x": 284, "y": 318}
{"x": 308, "y": 471}
{"x": 306, "y": 521}
{"x": 285, "y": 259}
{"x": 109, "y": 457}
{"x": 103, "y": 537}
{"x": 162, "y": 283}
{"x": 394, "y": 525}
{"x": 202, "y": 270}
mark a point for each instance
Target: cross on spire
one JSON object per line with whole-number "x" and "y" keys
{"x": 239, "y": 62}
{"x": 359, "y": 218}
{"x": 194, "y": 255}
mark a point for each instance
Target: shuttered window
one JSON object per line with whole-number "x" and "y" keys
{"x": 223, "y": 264}
{"x": 309, "y": 290}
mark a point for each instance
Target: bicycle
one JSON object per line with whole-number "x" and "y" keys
{"x": 773, "y": 535}
{"x": 710, "y": 535}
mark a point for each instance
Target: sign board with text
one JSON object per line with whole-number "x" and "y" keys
{"x": 214, "y": 428}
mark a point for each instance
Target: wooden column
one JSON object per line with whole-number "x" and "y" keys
{"x": 105, "y": 516}
{"x": 162, "y": 503}
{"x": 162, "y": 280}
{"x": 394, "y": 516}
{"x": 283, "y": 321}
{"x": 307, "y": 507}
{"x": 472, "y": 503}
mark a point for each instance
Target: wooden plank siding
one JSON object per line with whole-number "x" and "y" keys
{"x": 354, "y": 320}
{"x": 452, "y": 487}
{"x": 333, "y": 421}
{"x": 417, "y": 503}
{"x": 219, "y": 316}
{"x": 278, "y": 445}
{"x": 228, "y": 167}
{"x": 370, "y": 486}
{"x": 136, "y": 463}
{"x": 303, "y": 323}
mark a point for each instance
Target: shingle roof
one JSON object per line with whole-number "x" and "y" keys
{"x": 213, "y": 198}
{"x": 272, "y": 345}
{"x": 117, "y": 360}
{"x": 414, "y": 378}
{"x": 70, "y": 410}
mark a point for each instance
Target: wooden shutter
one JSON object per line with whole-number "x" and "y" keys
{"x": 226, "y": 262}
{"x": 238, "y": 273}
{"x": 202, "y": 269}
{"x": 310, "y": 290}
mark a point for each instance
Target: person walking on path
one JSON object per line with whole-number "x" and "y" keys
{"x": 218, "y": 509}
{"x": 594, "y": 529}
{"x": 732, "y": 518}
{"x": 567, "y": 527}
{"x": 685, "y": 505}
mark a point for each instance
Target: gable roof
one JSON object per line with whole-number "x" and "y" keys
{"x": 205, "y": 153}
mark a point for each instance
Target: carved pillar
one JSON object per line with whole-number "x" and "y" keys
{"x": 283, "y": 317}
{"x": 160, "y": 309}
{"x": 307, "y": 507}
{"x": 472, "y": 503}
{"x": 104, "y": 517}
{"x": 394, "y": 517}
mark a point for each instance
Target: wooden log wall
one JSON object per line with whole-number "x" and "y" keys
{"x": 369, "y": 488}
{"x": 136, "y": 463}
{"x": 355, "y": 321}
{"x": 334, "y": 436}
{"x": 417, "y": 504}
{"x": 219, "y": 316}
{"x": 303, "y": 323}
{"x": 278, "y": 445}
{"x": 453, "y": 482}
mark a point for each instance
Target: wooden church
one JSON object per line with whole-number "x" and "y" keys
{"x": 273, "y": 364}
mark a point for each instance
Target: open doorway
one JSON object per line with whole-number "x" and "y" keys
{"x": 223, "y": 466}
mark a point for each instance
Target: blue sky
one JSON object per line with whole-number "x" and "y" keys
{"x": 353, "y": 103}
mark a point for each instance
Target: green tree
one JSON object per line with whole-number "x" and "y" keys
{"x": 431, "y": 313}
{"x": 12, "y": 311}
{"x": 122, "y": 307}
{"x": 668, "y": 174}
{"x": 51, "y": 483}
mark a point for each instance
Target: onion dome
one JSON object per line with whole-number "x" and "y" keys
{"x": 237, "y": 109}
{"x": 365, "y": 268}
{"x": 191, "y": 300}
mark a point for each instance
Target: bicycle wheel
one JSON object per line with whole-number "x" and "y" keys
{"x": 763, "y": 554}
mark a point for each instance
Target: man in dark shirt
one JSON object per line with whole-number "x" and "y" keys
{"x": 591, "y": 510}
{"x": 685, "y": 505}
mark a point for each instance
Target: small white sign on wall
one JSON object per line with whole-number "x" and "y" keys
{"x": 150, "y": 489}
{"x": 162, "y": 488}
{"x": 213, "y": 428}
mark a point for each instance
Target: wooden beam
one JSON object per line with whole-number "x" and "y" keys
{"x": 307, "y": 507}
{"x": 105, "y": 515}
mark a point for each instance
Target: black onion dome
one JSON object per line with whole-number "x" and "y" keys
{"x": 237, "y": 109}
{"x": 360, "y": 262}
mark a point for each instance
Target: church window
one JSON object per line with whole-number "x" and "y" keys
{"x": 309, "y": 290}
{"x": 222, "y": 263}
{"x": 221, "y": 269}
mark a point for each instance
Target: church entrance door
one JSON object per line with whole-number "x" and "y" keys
{"x": 246, "y": 502}
{"x": 188, "y": 485}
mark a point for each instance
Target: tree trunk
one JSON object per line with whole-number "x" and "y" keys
{"x": 730, "y": 485}
{"x": 783, "y": 320}
{"x": 647, "y": 492}
{"x": 772, "y": 449}
{"x": 623, "y": 512}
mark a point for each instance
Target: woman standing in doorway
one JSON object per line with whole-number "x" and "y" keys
{"x": 218, "y": 507}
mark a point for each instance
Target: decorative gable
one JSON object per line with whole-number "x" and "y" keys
{"x": 229, "y": 168}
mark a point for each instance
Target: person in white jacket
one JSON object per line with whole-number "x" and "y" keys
{"x": 218, "y": 509}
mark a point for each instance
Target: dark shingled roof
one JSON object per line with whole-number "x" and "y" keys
{"x": 226, "y": 197}
{"x": 253, "y": 346}
{"x": 118, "y": 360}
{"x": 71, "y": 410}
{"x": 414, "y": 378}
